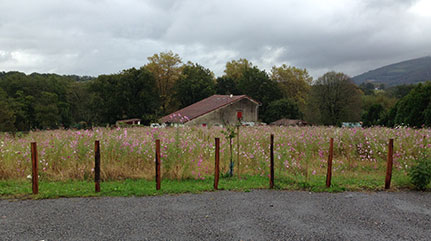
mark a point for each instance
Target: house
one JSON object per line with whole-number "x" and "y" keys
{"x": 134, "y": 121}
{"x": 216, "y": 110}
{"x": 289, "y": 122}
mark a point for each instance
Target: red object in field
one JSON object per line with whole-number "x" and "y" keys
{"x": 204, "y": 125}
{"x": 239, "y": 115}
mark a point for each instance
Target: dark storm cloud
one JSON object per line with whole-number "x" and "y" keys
{"x": 94, "y": 37}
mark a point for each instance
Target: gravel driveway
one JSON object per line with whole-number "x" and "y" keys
{"x": 223, "y": 215}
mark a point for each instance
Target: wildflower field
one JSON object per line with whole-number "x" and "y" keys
{"x": 300, "y": 153}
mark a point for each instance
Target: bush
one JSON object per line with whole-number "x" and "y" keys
{"x": 420, "y": 174}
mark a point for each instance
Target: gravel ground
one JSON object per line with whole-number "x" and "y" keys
{"x": 223, "y": 215}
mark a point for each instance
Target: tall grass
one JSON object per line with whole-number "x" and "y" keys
{"x": 188, "y": 152}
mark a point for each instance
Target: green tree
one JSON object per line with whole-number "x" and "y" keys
{"x": 427, "y": 114}
{"x": 195, "y": 83}
{"x": 294, "y": 82}
{"x": 376, "y": 108}
{"x": 105, "y": 102}
{"x": 166, "y": 68}
{"x": 80, "y": 99}
{"x": 130, "y": 94}
{"x": 7, "y": 117}
{"x": 24, "y": 111}
{"x": 373, "y": 115}
{"x": 229, "y": 83}
{"x": 47, "y": 112}
{"x": 367, "y": 88}
{"x": 413, "y": 109}
{"x": 241, "y": 77}
{"x": 334, "y": 99}
{"x": 29, "y": 91}
{"x": 256, "y": 84}
{"x": 235, "y": 68}
{"x": 138, "y": 88}
{"x": 226, "y": 86}
{"x": 400, "y": 91}
{"x": 282, "y": 108}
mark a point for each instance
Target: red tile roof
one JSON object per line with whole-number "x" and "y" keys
{"x": 289, "y": 122}
{"x": 203, "y": 107}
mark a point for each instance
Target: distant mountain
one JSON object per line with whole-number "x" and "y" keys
{"x": 407, "y": 72}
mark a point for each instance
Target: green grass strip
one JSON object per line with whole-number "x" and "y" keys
{"x": 20, "y": 189}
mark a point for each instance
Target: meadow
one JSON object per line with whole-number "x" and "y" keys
{"x": 300, "y": 153}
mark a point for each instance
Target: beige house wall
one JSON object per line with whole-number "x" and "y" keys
{"x": 227, "y": 115}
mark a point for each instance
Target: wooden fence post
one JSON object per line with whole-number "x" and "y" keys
{"x": 237, "y": 155}
{"x": 34, "y": 161}
{"x": 271, "y": 178}
{"x": 157, "y": 164}
{"x": 389, "y": 166}
{"x": 217, "y": 163}
{"x": 97, "y": 165}
{"x": 330, "y": 157}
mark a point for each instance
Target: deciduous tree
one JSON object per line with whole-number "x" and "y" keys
{"x": 256, "y": 84}
{"x": 166, "y": 68}
{"x": 47, "y": 111}
{"x": 7, "y": 117}
{"x": 235, "y": 68}
{"x": 226, "y": 86}
{"x": 294, "y": 82}
{"x": 195, "y": 83}
{"x": 282, "y": 108}
{"x": 130, "y": 94}
{"x": 375, "y": 108}
{"x": 334, "y": 99}
{"x": 414, "y": 109}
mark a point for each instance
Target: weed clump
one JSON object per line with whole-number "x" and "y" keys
{"x": 420, "y": 173}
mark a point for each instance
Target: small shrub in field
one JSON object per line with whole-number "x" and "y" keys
{"x": 420, "y": 174}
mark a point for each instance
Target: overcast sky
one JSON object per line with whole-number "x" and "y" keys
{"x": 92, "y": 37}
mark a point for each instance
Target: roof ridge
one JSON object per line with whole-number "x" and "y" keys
{"x": 202, "y": 107}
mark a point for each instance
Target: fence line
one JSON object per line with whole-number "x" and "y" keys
{"x": 34, "y": 158}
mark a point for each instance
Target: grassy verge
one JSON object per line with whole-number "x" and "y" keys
{"x": 21, "y": 189}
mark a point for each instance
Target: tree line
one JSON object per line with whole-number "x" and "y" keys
{"x": 166, "y": 84}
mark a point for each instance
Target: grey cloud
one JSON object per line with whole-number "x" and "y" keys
{"x": 95, "y": 37}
